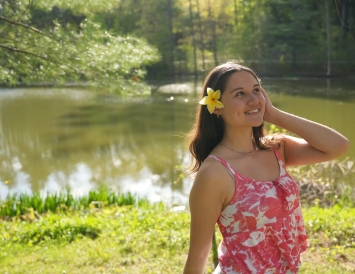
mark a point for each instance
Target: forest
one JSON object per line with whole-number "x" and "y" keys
{"x": 117, "y": 43}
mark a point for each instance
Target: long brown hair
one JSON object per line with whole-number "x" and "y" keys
{"x": 208, "y": 129}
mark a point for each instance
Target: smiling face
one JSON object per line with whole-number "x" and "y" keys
{"x": 244, "y": 104}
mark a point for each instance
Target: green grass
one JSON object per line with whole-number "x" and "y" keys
{"x": 130, "y": 240}
{"x": 328, "y": 227}
{"x": 28, "y": 205}
{"x": 148, "y": 239}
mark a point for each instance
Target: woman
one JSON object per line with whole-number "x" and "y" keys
{"x": 241, "y": 181}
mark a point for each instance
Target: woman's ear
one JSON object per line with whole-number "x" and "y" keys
{"x": 217, "y": 111}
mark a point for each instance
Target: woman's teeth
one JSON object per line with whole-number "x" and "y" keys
{"x": 252, "y": 111}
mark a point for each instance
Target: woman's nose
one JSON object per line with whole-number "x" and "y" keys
{"x": 253, "y": 99}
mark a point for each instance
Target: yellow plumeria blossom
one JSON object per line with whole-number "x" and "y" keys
{"x": 211, "y": 100}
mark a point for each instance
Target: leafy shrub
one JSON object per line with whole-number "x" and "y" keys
{"x": 330, "y": 226}
{"x": 53, "y": 227}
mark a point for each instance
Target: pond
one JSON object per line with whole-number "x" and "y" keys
{"x": 52, "y": 138}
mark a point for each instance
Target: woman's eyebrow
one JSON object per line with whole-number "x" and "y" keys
{"x": 235, "y": 89}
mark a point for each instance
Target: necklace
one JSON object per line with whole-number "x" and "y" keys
{"x": 254, "y": 148}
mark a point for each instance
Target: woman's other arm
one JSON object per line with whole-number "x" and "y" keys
{"x": 318, "y": 143}
{"x": 206, "y": 201}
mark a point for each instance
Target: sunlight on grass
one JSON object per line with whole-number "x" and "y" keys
{"x": 147, "y": 239}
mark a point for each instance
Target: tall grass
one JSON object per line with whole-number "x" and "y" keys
{"x": 326, "y": 184}
{"x": 23, "y": 204}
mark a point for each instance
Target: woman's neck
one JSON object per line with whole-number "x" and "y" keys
{"x": 240, "y": 139}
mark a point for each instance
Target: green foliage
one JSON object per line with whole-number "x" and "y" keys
{"x": 130, "y": 239}
{"x": 58, "y": 40}
{"x": 323, "y": 184}
{"x": 326, "y": 184}
{"x": 272, "y": 129}
{"x": 69, "y": 48}
{"x": 79, "y": 6}
{"x": 28, "y": 205}
{"x": 330, "y": 226}
{"x": 52, "y": 227}
{"x": 131, "y": 235}
{"x": 273, "y": 37}
{"x": 285, "y": 30}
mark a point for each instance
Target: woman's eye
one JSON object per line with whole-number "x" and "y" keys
{"x": 256, "y": 90}
{"x": 239, "y": 94}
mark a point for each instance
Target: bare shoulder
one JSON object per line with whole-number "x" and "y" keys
{"x": 210, "y": 181}
{"x": 291, "y": 148}
{"x": 210, "y": 173}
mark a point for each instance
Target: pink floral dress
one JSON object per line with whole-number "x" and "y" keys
{"x": 262, "y": 227}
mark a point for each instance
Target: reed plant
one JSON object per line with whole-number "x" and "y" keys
{"x": 323, "y": 184}
{"x": 26, "y": 205}
{"x": 326, "y": 184}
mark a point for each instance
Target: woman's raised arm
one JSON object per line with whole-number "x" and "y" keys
{"x": 318, "y": 143}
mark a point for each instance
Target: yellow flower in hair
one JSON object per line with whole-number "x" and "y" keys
{"x": 211, "y": 100}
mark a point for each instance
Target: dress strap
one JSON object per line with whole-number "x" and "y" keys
{"x": 278, "y": 155}
{"x": 281, "y": 161}
{"x": 225, "y": 164}
{"x": 281, "y": 191}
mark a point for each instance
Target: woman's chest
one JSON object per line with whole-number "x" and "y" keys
{"x": 261, "y": 203}
{"x": 261, "y": 166}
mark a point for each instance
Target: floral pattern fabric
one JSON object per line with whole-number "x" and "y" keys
{"x": 262, "y": 227}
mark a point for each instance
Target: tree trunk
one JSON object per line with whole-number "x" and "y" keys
{"x": 294, "y": 60}
{"x": 108, "y": 21}
{"x": 295, "y": 26}
{"x": 236, "y": 12}
{"x": 342, "y": 23}
{"x": 171, "y": 38}
{"x": 193, "y": 37}
{"x": 201, "y": 36}
{"x": 351, "y": 18}
{"x": 214, "y": 37}
{"x": 328, "y": 37}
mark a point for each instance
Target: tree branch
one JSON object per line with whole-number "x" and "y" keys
{"x": 26, "y": 9}
{"x": 38, "y": 56}
{"x": 29, "y": 44}
{"x": 22, "y": 25}
{"x": 12, "y": 4}
{"x": 339, "y": 15}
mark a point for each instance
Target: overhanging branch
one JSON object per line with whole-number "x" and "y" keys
{"x": 23, "y": 13}
{"x": 38, "y": 56}
{"x": 22, "y": 25}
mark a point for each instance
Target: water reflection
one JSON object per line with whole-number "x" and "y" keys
{"x": 52, "y": 142}
{"x": 51, "y": 139}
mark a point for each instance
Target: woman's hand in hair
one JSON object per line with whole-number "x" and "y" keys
{"x": 317, "y": 142}
{"x": 269, "y": 108}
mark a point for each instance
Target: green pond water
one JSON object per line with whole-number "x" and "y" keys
{"x": 51, "y": 139}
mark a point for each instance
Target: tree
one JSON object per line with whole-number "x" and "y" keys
{"x": 328, "y": 37}
{"x": 277, "y": 36}
{"x": 67, "y": 46}
{"x": 193, "y": 38}
{"x": 287, "y": 31}
{"x": 214, "y": 36}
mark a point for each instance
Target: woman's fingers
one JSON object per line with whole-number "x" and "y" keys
{"x": 267, "y": 99}
{"x": 268, "y": 106}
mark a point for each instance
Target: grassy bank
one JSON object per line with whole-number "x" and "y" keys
{"x": 28, "y": 206}
{"x": 146, "y": 238}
